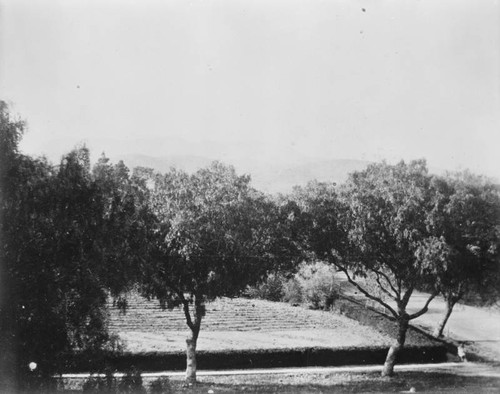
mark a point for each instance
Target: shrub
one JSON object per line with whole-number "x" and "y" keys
{"x": 313, "y": 285}
{"x": 131, "y": 382}
{"x": 292, "y": 292}
{"x": 161, "y": 385}
{"x": 271, "y": 289}
{"x": 101, "y": 384}
{"x": 37, "y": 383}
{"x": 317, "y": 283}
{"x": 92, "y": 384}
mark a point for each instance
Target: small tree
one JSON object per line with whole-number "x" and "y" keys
{"x": 214, "y": 236}
{"x": 465, "y": 222}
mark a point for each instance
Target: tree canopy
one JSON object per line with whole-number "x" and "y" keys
{"x": 465, "y": 225}
{"x": 373, "y": 230}
{"x": 66, "y": 242}
{"x": 214, "y": 236}
{"x": 72, "y": 235}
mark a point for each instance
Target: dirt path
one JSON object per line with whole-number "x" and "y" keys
{"x": 479, "y": 327}
{"x": 463, "y": 369}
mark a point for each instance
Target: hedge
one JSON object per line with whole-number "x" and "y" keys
{"x": 247, "y": 359}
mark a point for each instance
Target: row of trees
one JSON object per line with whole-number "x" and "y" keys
{"x": 72, "y": 235}
{"x": 394, "y": 229}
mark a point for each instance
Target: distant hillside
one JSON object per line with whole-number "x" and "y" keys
{"x": 272, "y": 178}
{"x": 163, "y": 164}
{"x": 283, "y": 180}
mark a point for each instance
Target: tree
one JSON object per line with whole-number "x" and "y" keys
{"x": 387, "y": 207}
{"x": 320, "y": 211}
{"x": 60, "y": 232}
{"x": 214, "y": 236}
{"x": 53, "y": 253}
{"x": 465, "y": 223}
{"x": 92, "y": 244}
{"x": 127, "y": 223}
{"x": 373, "y": 231}
{"x": 11, "y": 131}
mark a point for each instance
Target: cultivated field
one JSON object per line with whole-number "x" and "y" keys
{"x": 244, "y": 324}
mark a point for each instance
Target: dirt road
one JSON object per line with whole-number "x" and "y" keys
{"x": 478, "y": 327}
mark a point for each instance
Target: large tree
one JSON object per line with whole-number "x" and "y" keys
{"x": 11, "y": 131}
{"x": 465, "y": 223}
{"x": 214, "y": 236}
{"x": 373, "y": 230}
{"x": 387, "y": 207}
{"x": 64, "y": 244}
{"x": 37, "y": 235}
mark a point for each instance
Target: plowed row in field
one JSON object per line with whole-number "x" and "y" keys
{"x": 236, "y": 314}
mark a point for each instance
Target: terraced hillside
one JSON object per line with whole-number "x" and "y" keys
{"x": 241, "y": 324}
{"x": 238, "y": 314}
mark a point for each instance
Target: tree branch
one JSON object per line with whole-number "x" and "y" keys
{"x": 407, "y": 296}
{"x": 387, "y": 292}
{"x": 185, "y": 304}
{"x": 386, "y": 261}
{"x": 378, "y": 272}
{"x": 199, "y": 312}
{"x": 425, "y": 308}
{"x": 368, "y": 295}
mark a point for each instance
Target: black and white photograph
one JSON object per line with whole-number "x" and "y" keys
{"x": 259, "y": 196}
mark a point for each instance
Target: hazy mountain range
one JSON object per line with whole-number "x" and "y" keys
{"x": 268, "y": 177}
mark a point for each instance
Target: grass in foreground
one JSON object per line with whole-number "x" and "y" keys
{"x": 347, "y": 383}
{"x": 430, "y": 382}
{"x": 479, "y": 379}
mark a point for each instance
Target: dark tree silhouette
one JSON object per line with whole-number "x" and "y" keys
{"x": 65, "y": 241}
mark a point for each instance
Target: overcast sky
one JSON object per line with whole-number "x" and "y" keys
{"x": 258, "y": 80}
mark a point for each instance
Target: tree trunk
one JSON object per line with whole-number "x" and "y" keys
{"x": 450, "y": 303}
{"x": 395, "y": 349}
{"x": 191, "y": 357}
{"x": 194, "y": 327}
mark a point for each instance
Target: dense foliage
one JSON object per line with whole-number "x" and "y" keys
{"x": 68, "y": 237}
{"x": 214, "y": 236}
{"x": 375, "y": 229}
{"x": 313, "y": 285}
{"x": 72, "y": 235}
{"x": 465, "y": 227}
